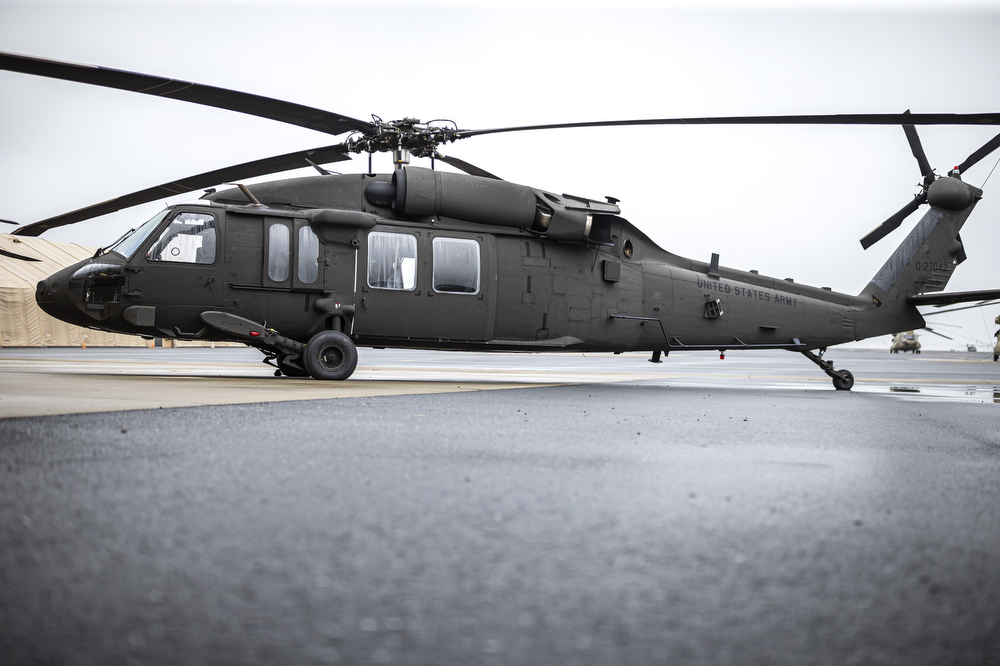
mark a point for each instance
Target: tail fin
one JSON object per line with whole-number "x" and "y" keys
{"x": 923, "y": 262}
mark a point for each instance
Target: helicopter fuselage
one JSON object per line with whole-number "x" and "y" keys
{"x": 335, "y": 253}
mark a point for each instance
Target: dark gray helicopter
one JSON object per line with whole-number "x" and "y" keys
{"x": 307, "y": 269}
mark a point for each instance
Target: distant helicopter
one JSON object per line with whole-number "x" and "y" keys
{"x": 905, "y": 342}
{"x": 307, "y": 269}
{"x": 996, "y": 347}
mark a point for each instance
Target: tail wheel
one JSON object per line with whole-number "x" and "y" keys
{"x": 330, "y": 355}
{"x": 843, "y": 380}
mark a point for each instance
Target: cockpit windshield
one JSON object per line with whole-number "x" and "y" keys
{"x": 131, "y": 242}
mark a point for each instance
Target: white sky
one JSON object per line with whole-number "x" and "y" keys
{"x": 788, "y": 201}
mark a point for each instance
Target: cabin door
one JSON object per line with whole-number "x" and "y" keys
{"x": 244, "y": 261}
{"x": 276, "y": 271}
{"x": 425, "y": 285}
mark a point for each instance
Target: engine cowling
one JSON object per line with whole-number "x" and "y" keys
{"x": 428, "y": 192}
{"x": 424, "y": 192}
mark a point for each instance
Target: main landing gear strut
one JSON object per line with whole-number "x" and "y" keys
{"x": 843, "y": 380}
{"x": 327, "y": 355}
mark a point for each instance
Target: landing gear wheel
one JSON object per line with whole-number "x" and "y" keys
{"x": 330, "y": 355}
{"x": 995, "y": 357}
{"x": 843, "y": 380}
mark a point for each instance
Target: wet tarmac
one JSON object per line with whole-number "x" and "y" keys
{"x": 447, "y": 508}
{"x": 35, "y": 382}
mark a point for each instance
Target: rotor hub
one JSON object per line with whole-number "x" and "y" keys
{"x": 408, "y": 134}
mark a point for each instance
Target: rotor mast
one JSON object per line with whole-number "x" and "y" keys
{"x": 400, "y": 157}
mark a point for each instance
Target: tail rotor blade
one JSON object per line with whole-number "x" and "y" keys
{"x": 961, "y": 256}
{"x": 987, "y": 148}
{"x": 917, "y": 149}
{"x": 884, "y": 229}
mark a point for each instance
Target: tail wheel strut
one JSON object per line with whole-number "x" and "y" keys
{"x": 843, "y": 380}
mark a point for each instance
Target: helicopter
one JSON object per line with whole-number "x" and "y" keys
{"x": 908, "y": 341}
{"x": 996, "y": 347}
{"x": 308, "y": 269}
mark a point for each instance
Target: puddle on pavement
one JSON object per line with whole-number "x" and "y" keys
{"x": 937, "y": 392}
{"x": 901, "y": 391}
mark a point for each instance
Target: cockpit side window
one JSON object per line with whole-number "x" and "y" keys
{"x": 190, "y": 238}
{"x": 392, "y": 261}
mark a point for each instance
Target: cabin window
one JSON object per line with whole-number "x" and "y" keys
{"x": 188, "y": 239}
{"x": 278, "y": 237}
{"x": 392, "y": 261}
{"x": 456, "y": 265}
{"x": 308, "y": 255}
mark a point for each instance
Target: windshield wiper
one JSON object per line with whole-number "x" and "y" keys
{"x": 101, "y": 250}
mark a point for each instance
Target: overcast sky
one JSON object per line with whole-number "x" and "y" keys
{"x": 787, "y": 201}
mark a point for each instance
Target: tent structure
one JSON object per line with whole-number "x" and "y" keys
{"x": 23, "y": 262}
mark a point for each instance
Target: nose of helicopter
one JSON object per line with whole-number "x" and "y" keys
{"x": 53, "y": 296}
{"x": 82, "y": 294}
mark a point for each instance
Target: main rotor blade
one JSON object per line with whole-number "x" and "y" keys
{"x": 940, "y": 299}
{"x": 967, "y": 307}
{"x": 196, "y": 93}
{"x": 987, "y": 148}
{"x": 15, "y": 255}
{"x": 918, "y": 150}
{"x": 883, "y": 230}
{"x": 470, "y": 169}
{"x": 834, "y": 119}
{"x": 931, "y": 330}
{"x": 238, "y": 172}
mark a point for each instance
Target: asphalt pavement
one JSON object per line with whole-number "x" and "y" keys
{"x": 598, "y": 510}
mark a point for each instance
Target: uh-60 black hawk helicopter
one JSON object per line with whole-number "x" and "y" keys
{"x": 307, "y": 269}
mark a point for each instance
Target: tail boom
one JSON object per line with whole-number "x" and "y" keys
{"x": 923, "y": 263}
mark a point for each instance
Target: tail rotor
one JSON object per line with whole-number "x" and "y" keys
{"x": 929, "y": 177}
